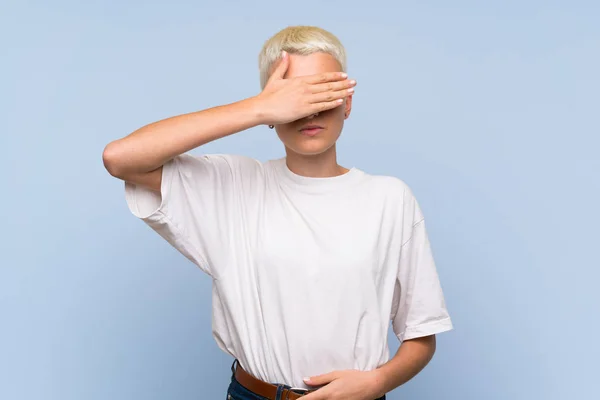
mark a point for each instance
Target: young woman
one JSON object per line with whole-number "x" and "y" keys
{"x": 310, "y": 260}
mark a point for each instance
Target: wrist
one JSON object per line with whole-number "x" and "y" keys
{"x": 257, "y": 110}
{"x": 378, "y": 381}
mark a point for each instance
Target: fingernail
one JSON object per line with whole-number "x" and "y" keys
{"x": 344, "y": 75}
{"x": 283, "y": 53}
{"x": 306, "y": 379}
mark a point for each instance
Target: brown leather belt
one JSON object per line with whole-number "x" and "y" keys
{"x": 265, "y": 389}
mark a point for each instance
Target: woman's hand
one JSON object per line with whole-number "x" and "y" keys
{"x": 287, "y": 100}
{"x": 346, "y": 385}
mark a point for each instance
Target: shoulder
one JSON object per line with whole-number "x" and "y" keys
{"x": 388, "y": 186}
{"x": 396, "y": 193}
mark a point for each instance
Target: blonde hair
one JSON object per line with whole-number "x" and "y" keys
{"x": 303, "y": 40}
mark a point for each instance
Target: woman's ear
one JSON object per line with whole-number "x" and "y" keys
{"x": 347, "y": 107}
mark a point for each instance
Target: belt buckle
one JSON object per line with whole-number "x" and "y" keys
{"x": 303, "y": 392}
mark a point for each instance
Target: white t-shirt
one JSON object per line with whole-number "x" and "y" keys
{"x": 307, "y": 272}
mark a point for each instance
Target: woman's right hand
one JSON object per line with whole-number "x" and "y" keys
{"x": 287, "y": 100}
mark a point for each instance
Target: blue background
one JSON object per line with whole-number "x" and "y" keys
{"x": 488, "y": 110}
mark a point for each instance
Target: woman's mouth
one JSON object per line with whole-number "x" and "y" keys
{"x": 311, "y": 130}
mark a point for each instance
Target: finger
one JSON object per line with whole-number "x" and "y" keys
{"x": 325, "y": 77}
{"x": 321, "y": 379}
{"x": 324, "y": 106}
{"x": 332, "y": 86}
{"x": 331, "y": 96}
{"x": 323, "y": 393}
{"x": 281, "y": 68}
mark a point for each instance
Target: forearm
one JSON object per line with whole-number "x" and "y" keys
{"x": 153, "y": 145}
{"x": 412, "y": 356}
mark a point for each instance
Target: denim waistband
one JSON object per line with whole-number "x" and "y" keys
{"x": 238, "y": 392}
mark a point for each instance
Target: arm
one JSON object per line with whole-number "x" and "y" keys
{"x": 412, "y": 356}
{"x": 410, "y": 359}
{"x": 139, "y": 156}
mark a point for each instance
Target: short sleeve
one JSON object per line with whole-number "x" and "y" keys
{"x": 200, "y": 201}
{"x": 419, "y": 305}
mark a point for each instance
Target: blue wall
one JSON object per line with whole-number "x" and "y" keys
{"x": 489, "y": 110}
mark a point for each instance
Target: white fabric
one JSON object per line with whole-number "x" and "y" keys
{"x": 307, "y": 272}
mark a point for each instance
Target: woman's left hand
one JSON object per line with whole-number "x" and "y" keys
{"x": 346, "y": 385}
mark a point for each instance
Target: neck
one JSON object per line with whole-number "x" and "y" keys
{"x": 322, "y": 165}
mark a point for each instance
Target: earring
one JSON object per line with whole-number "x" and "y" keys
{"x": 271, "y": 126}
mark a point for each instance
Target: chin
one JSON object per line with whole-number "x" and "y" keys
{"x": 309, "y": 147}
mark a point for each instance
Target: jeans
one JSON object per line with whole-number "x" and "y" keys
{"x": 237, "y": 392}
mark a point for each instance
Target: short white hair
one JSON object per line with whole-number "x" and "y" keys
{"x": 303, "y": 40}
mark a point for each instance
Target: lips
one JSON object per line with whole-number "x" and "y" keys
{"x": 311, "y": 129}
